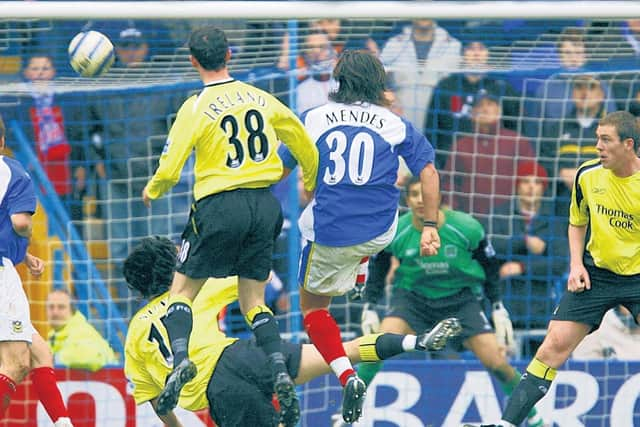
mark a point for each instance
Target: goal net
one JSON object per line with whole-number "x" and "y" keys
{"x": 509, "y": 99}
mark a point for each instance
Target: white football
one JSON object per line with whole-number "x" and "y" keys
{"x": 91, "y": 53}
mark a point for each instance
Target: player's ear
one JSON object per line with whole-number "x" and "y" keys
{"x": 227, "y": 57}
{"x": 194, "y": 61}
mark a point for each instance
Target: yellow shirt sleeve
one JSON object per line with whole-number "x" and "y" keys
{"x": 178, "y": 147}
{"x": 292, "y": 133}
{"x": 578, "y": 209}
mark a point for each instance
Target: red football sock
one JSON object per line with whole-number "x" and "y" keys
{"x": 44, "y": 381}
{"x": 325, "y": 335}
{"x": 7, "y": 388}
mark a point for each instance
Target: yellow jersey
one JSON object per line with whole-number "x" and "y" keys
{"x": 148, "y": 358}
{"x": 611, "y": 207}
{"x": 235, "y": 129}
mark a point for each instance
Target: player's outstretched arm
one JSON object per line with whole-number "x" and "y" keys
{"x": 169, "y": 419}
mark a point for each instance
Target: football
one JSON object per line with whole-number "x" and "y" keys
{"x": 91, "y": 53}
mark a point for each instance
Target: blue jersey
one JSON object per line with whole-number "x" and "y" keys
{"x": 356, "y": 198}
{"x": 17, "y": 195}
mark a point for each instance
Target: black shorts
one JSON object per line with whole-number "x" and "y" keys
{"x": 240, "y": 390}
{"x": 607, "y": 291}
{"x": 231, "y": 233}
{"x": 422, "y": 313}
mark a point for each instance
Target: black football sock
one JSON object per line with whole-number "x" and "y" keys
{"x": 179, "y": 322}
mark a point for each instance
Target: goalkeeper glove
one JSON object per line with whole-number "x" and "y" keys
{"x": 369, "y": 321}
{"x": 503, "y": 327}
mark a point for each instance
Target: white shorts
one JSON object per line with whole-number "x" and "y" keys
{"x": 15, "y": 320}
{"x": 332, "y": 271}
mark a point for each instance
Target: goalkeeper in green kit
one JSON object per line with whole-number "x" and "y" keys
{"x": 451, "y": 283}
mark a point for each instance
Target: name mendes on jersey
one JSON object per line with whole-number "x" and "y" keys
{"x": 617, "y": 217}
{"x": 355, "y": 116}
{"x": 227, "y": 100}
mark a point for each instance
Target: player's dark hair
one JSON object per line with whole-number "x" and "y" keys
{"x": 626, "y": 125}
{"x": 2, "y": 128}
{"x": 209, "y": 46}
{"x": 413, "y": 179}
{"x": 361, "y": 78}
{"x": 150, "y": 266}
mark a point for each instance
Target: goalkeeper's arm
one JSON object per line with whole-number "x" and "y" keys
{"x": 486, "y": 256}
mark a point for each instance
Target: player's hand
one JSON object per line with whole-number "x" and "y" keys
{"x": 504, "y": 327}
{"x": 578, "y": 280}
{"x": 430, "y": 241}
{"x": 145, "y": 198}
{"x": 34, "y": 264}
{"x": 369, "y": 321}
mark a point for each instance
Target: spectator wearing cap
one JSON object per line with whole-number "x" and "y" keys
{"x": 570, "y": 140}
{"x": 479, "y": 171}
{"x": 416, "y": 60}
{"x": 132, "y": 49}
{"x": 450, "y": 108}
{"x": 531, "y": 243}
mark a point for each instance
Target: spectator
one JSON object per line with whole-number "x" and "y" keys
{"x": 450, "y": 108}
{"x": 570, "y": 140}
{"x": 132, "y": 50}
{"x": 75, "y": 343}
{"x": 57, "y": 144}
{"x": 480, "y": 169}
{"x": 320, "y": 58}
{"x": 530, "y": 242}
{"x": 551, "y": 98}
{"x": 617, "y": 337}
{"x": 417, "y": 59}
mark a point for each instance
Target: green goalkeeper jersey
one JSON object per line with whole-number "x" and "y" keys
{"x": 446, "y": 273}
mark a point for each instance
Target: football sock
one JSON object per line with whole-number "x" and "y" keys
{"x": 265, "y": 328}
{"x": 325, "y": 335}
{"x": 44, "y": 382}
{"x": 532, "y": 387}
{"x": 508, "y": 387}
{"x": 376, "y": 347}
{"x": 7, "y": 388}
{"x": 179, "y": 322}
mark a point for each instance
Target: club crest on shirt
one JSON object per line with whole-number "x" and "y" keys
{"x": 16, "y": 326}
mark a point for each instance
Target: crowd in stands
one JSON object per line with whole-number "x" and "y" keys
{"x": 508, "y": 141}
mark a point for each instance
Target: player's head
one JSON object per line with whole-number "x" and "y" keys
{"x": 150, "y": 266}
{"x": 618, "y": 139}
{"x": 209, "y": 46}
{"x": 60, "y": 308}
{"x": 361, "y": 78}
